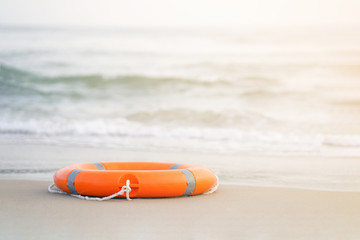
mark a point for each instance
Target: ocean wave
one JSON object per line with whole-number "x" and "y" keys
{"x": 192, "y": 117}
{"x": 15, "y": 75}
{"x": 124, "y": 129}
{"x": 22, "y": 84}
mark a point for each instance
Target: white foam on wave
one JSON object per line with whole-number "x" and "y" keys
{"x": 132, "y": 135}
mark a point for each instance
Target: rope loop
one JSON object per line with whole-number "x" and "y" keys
{"x": 126, "y": 189}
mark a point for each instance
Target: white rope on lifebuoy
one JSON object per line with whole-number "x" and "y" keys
{"x": 124, "y": 190}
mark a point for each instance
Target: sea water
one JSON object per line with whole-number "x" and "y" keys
{"x": 273, "y": 91}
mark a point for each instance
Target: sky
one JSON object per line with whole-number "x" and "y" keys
{"x": 179, "y": 12}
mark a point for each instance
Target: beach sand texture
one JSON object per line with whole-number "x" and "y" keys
{"x": 28, "y": 211}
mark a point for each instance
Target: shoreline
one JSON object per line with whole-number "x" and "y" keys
{"x": 40, "y": 162}
{"x": 232, "y": 212}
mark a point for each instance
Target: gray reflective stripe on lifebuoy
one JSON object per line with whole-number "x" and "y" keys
{"x": 190, "y": 180}
{"x": 99, "y": 166}
{"x": 175, "y": 166}
{"x": 70, "y": 182}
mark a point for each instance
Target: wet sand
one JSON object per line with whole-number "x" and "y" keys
{"x": 28, "y": 211}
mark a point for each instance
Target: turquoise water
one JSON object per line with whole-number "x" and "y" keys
{"x": 257, "y": 91}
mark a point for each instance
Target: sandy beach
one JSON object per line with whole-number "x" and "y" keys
{"x": 234, "y": 211}
{"x": 28, "y": 211}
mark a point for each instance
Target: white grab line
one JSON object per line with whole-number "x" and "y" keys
{"x": 125, "y": 189}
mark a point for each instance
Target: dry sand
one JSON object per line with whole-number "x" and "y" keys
{"x": 28, "y": 211}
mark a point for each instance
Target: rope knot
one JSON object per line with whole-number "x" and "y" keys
{"x": 127, "y": 189}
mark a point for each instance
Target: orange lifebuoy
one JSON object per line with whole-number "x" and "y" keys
{"x": 147, "y": 179}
